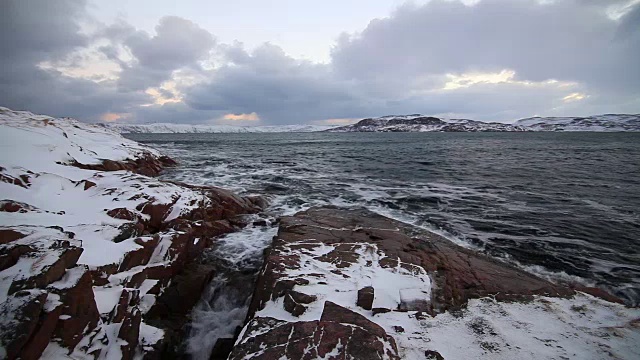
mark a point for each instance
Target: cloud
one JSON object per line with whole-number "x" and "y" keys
{"x": 177, "y": 43}
{"x": 491, "y": 60}
{"x": 36, "y": 32}
{"x": 563, "y": 40}
{"x": 497, "y": 60}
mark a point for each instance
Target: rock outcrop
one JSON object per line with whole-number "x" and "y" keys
{"x": 339, "y": 334}
{"x": 90, "y": 245}
{"x": 403, "y": 292}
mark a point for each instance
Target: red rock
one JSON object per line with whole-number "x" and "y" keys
{"x": 87, "y": 184}
{"x": 10, "y": 206}
{"x": 365, "y": 298}
{"x": 302, "y": 298}
{"x": 122, "y": 213}
{"x": 293, "y": 307}
{"x": 359, "y": 338}
{"x": 19, "y": 316}
{"x": 157, "y": 214}
{"x": 15, "y": 181}
{"x": 128, "y": 298}
{"x": 100, "y": 275}
{"x": 147, "y": 164}
{"x": 140, "y": 256}
{"x": 160, "y": 272}
{"x": 178, "y": 299}
{"x": 110, "y": 165}
{"x": 398, "y": 329}
{"x": 129, "y": 332}
{"x": 68, "y": 257}
{"x": 9, "y": 235}
{"x": 334, "y": 312}
{"x": 9, "y": 255}
{"x": 42, "y": 336}
{"x": 461, "y": 273}
{"x": 80, "y": 308}
{"x": 377, "y": 311}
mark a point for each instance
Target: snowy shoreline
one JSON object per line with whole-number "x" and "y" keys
{"x": 91, "y": 247}
{"x": 90, "y": 243}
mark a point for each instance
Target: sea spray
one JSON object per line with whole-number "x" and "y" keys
{"x": 222, "y": 309}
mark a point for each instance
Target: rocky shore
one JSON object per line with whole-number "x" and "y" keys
{"x": 93, "y": 249}
{"x": 339, "y": 283}
{"x": 100, "y": 260}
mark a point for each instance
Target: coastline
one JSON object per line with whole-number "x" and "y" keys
{"x": 99, "y": 259}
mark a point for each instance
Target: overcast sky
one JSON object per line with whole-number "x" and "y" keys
{"x": 324, "y": 62}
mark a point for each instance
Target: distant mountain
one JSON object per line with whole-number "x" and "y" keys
{"x": 166, "y": 128}
{"x": 408, "y": 123}
{"x": 421, "y": 123}
{"x": 607, "y": 122}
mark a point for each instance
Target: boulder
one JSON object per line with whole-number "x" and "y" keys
{"x": 365, "y": 297}
{"x": 433, "y": 355}
{"x": 339, "y": 334}
{"x": 294, "y": 302}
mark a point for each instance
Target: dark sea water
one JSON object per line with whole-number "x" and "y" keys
{"x": 565, "y": 206}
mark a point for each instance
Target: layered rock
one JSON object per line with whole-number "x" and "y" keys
{"x": 89, "y": 243}
{"x": 421, "y": 295}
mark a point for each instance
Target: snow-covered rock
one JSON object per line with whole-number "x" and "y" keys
{"x": 600, "y": 123}
{"x": 168, "y": 128}
{"x": 421, "y": 123}
{"x": 431, "y": 299}
{"x": 88, "y": 243}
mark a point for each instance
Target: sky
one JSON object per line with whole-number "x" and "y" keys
{"x": 276, "y": 62}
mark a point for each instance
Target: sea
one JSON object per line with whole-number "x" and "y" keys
{"x": 564, "y": 206}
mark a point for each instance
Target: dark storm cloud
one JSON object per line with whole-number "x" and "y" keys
{"x": 178, "y": 43}
{"x": 278, "y": 87}
{"x": 32, "y": 32}
{"x": 395, "y": 65}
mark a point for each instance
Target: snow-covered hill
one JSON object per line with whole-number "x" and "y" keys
{"x": 607, "y": 122}
{"x": 421, "y": 123}
{"x": 407, "y": 123}
{"x": 167, "y": 128}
